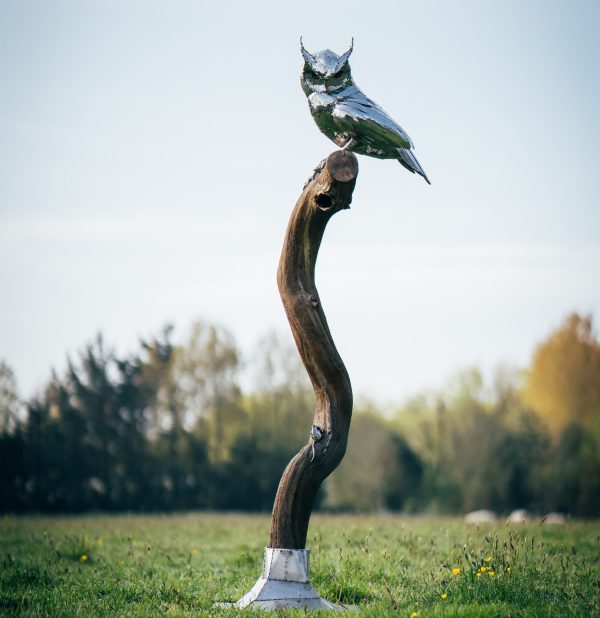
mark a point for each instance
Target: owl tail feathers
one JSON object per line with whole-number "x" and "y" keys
{"x": 409, "y": 161}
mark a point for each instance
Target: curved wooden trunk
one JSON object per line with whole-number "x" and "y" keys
{"x": 329, "y": 191}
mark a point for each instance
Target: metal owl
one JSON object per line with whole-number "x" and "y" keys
{"x": 347, "y": 116}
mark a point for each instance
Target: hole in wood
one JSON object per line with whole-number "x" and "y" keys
{"x": 323, "y": 201}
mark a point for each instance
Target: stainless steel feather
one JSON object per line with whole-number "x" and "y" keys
{"x": 347, "y": 116}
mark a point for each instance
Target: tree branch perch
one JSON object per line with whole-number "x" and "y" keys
{"x": 328, "y": 192}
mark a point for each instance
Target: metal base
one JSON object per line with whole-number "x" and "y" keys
{"x": 284, "y": 583}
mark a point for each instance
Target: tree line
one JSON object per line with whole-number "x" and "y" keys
{"x": 169, "y": 427}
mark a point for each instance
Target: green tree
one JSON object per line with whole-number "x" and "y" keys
{"x": 282, "y": 404}
{"x": 279, "y": 414}
{"x": 480, "y": 447}
{"x": 86, "y": 436}
{"x": 12, "y": 446}
{"x": 206, "y": 372}
{"x": 379, "y": 472}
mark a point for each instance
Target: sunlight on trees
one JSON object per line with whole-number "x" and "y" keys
{"x": 206, "y": 377}
{"x": 169, "y": 427}
{"x": 563, "y": 382}
{"x": 9, "y": 400}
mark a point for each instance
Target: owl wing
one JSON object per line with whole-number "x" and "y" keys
{"x": 372, "y": 119}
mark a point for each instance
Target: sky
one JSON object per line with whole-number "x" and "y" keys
{"x": 151, "y": 153}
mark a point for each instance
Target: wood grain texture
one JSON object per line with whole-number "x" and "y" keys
{"x": 328, "y": 192}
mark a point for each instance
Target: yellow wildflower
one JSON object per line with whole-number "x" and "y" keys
{"x": 483, "y": 569}
{"x": 414, "y": 615}
{"x": 488, "y": 559}
{"x": 444, "y": 596}
{"x": 478, "y": 574}
{"x": 455, "y": 570}
{"x": 84, "y": 557}
{"x": 508, "y": 569}
{"x": 491, "y": 573}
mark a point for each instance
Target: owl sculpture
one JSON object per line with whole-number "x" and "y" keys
{"x": 348, "y": 117}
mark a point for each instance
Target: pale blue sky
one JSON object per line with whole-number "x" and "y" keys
{"x": 151, "y": 153}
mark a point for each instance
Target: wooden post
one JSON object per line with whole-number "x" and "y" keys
{"x": 328, "y": 192}
{"x": 284, "y": 582}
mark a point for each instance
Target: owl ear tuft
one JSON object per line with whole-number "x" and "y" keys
{"x": 344, "y": 57}
{"x": 308, "y": 57}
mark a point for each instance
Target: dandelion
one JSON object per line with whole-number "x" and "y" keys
{"x": 491, "y": 573}
{"x": 483, "y": 569}
{"x": 456, "y": 571}
{"x": 478, "y": 574}
{"x": 84, "y": 557}
{"x": 488, "y": 559}
{"x": 414, "y": 615}
{"x": 444, "y": 595}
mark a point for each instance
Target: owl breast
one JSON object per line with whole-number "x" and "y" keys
{"x": 320, "y": 99}
{"x": 322, "y": 106}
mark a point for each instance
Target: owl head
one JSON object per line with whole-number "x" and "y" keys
{"x": 325, "y": 70}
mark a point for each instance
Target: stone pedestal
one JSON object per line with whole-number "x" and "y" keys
{"x": 284, "y": 583}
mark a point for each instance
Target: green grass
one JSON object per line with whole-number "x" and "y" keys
{"x": 179, "y": 565}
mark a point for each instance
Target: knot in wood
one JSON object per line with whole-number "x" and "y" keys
{"x": 316, "y": 433}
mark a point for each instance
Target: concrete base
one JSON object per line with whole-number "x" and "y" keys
{"x": 284, "y": 583}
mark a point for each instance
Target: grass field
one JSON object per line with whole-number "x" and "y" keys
{"x": 179, "y": 565}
